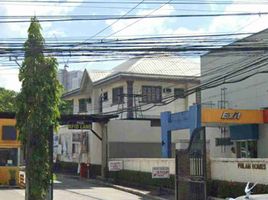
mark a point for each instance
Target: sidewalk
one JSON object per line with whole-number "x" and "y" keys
{"x": 149, "y": 194}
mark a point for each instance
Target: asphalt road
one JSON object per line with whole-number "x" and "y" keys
{"x": 72, "y": 189}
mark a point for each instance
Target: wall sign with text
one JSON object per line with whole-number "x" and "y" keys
{"x": 230, "y": 115}
{"x": 80, "y": 126}
{"x": 242, "y": 165}
{"x": 115, "y": 165}
{"x": 160, "y": 172}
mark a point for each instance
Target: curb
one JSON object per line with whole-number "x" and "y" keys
{"x": 122, "y": 188}
{"x": 9, "y": 187}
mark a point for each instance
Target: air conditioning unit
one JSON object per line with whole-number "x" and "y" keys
{"x": 167, "y": 90}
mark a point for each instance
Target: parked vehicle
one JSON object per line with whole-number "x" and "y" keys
{"x": 248, "y": 195}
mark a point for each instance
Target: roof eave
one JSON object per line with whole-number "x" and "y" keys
{"x": 71, "y": 93}
{"x": 149, "y": 76}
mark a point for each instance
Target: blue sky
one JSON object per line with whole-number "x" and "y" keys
{"x": 85, "y": 29}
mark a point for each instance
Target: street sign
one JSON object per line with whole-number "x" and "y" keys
{"x": 115, "y": 166}
{"x": 160, "y": 172}
{"x": 80, "y": 126}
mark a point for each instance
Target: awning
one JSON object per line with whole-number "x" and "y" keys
{"x": 244, "y": 132}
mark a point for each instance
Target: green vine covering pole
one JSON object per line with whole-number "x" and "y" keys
{"x": 37, "y": 111}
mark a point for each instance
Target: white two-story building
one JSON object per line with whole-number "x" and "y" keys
{"x": 138, "y": 90}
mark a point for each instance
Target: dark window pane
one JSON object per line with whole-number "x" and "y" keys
{"x": 8, "y": 157}
{"x": 118, "y": 96}
{"x": 9, "y": 133}
{"x": 144, "y": 92}
{"x": 105, "y": 96}
{"x": 73, "y": 149}
{"x": 82, "y": 105}
{"x": 151, "y": 94}
{"x": 179, "y": 93}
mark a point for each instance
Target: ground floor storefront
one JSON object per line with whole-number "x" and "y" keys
{"x": 10, "y": 152}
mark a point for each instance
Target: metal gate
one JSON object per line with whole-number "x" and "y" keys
{"x": 191, "y": 168}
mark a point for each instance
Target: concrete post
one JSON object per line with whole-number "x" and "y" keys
{"x": 104, "y": 160}
{"x": 166, "y": 134}
{"x": 130, "y": 99}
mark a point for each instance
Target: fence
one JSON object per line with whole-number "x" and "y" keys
{"x": 146, "y": 164}
{"x": 240, "y": 170}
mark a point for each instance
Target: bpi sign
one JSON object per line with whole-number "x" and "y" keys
{"x": 231, "y": 115}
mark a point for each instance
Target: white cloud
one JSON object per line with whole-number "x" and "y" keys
{"x": 241, "y": 23}
{"x": 9, "y": 79}
{"x": 144, "y": 26}
{"x": 55, "y": 33}
{"x": 28, "y": 9}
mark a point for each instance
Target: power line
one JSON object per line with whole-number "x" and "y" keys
{"x": 102, "y": 30}
{"x": 147, "y": 15}
{"x": 62, "y": 18}
{"x": 182, "y": 2}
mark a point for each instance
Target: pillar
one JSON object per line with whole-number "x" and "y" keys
{"x": 104, "y": 154}
{"x": 166, "y": 134}
{"x": 129, "y": 99}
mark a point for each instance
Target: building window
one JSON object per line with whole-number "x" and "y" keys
{"x": 8, "y": 157}
{"x": 223, "y": 141}
{"x": 75, "y": 148}
{"x": 179, "y": 93}
{"x": 82, "y": 105}
{"x": 198, "y": 96}
{"x": 105, "y": 96}
{"x": 151, "y": 94}
{"x": 89, "y": 100}
{"x": 9, "y": 133}
{"x": 118, "y": 96}
{"x": 246, "y": 149}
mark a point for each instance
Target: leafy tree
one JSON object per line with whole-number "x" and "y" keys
{"x": 37, "y": 111}
{"x": 7, "y": 100}
{"x": 66, "y": 107}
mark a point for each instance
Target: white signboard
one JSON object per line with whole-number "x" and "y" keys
{"x": 115, "y": 165}
{"x": 160, "y": 172}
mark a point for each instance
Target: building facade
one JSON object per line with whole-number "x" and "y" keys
{"x": 137, "y": 91}
{"x": 234, "y": 80}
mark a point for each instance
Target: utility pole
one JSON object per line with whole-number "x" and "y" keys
{"x": 104, "y": 160}
{"x": 51, "y": 144}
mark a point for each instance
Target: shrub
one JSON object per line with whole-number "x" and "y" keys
{"x": 224, "y": 189}
{"x": 141, "y": 178}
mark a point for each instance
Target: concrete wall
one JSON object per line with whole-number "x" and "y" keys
{"x": 248, "y": 94}
{"x": 139, "y": 131}
{"x": 262, "y": 141}
{"x": 137, "y": 138}
{"x": 108, "y": 105}
{"x": 227, "y": 169}
{"x": 217, "y": 151}
{"x": 175, "y": 106}
{"x": 95, "y": 147}
{"x": 146, "y": 164}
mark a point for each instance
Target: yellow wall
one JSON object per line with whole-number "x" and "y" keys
{"x": 4, "y": 175}
{"x": 8, "y": 144}
{"x": 4, "y": 171}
